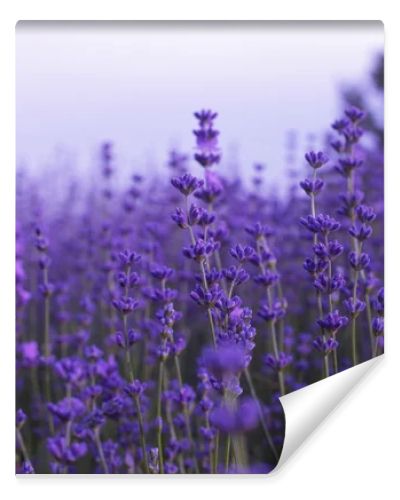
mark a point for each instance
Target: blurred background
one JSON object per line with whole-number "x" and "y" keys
{"x": 276, "y": 86}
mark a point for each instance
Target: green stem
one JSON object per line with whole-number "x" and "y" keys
{"x": 376, "y": 347}
{"x": 227, "y": 453}
{"x": 128, "y": 359}
{"x": 260, "y": 413}
{"x": 216, "y": 453}
{"x": 159, "y": 422}
{"x": 186, "y": 415}
{"x": 142, "y": 434}
{"x": 369, "y": 318}
{"x": 335, "y": 357}
{"x": 100, "y": 450}
{"x": 47, "y": 351}
{"x": 281, "y": 379}
{"x": 22, "y": 446}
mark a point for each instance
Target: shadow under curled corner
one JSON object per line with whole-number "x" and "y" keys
{"x": 305, "y": 409}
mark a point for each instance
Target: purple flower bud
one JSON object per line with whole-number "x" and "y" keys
{"x": 347, "y": 165}
{"x": 278, "y": 363}
{"x": 315, "y": 267}
{"x": 113, "y": 408}
{"x": 128, "y": 258}
{"x": 186, "y": 184}
{"x": 312, "y": 187}
{"x": 20, "y": 418}
{"x": 125, "y": 305}
{"x": 361, "y": 233}
{"x": 27, "y": 468}
{"x": 311, "y": 223}
{"x": 133, "y": 337}
{"x": 359, "y": 262}
{"x": 47, "y": 289}
{"x": 63, "y": 453}
{"x": 365, "y": 214}
{"x": 205, "y": 218}
{"x": 236, "y": 275}
{"x": 267, "y": 279}
{"x": 186, "y": 395}
{"x": 42, "y": 244}
{"x": 333, "y": 322}
{"x": 44, "y": 262}
{"x": 338, "y": 146}
{"x": 206, "y": 298}
{"x": 226, "y": 360}
{"x": 178, "y": 346}
{"x": 93, "y": 353}
{"x": 67, "y": 409}
{"x": 212, "y": 277}
{"x": 170, "y": 468}
{"x": 240, "y": 253}
{"x": 378, "y": 326}
{"x": 355, "y": 114}
{"x": 379, "y": 303}
{"x": 259, "y": 230}
{"x": 208, "y": 433}
{"x": 135, "y": 388}
{"x": 206, "y": 140}
{"x": 161, "y": 272}
{"x": 316, "y": 160}
{"x": 94, "y": 419}
{"x": 327, "y": 346}
{"x": 333, "y": 250}
{"x": 354, "y": 307}
{"x": 206, "y": 117}
{"x": 243, "y": 418}
{"x": 163, "y": 352}
{"x": 119, "y": 340}
{"x": 206, "y": 404}
{"x": 340, "y": 125}
{"x": 210, "y": 193}
{"x": 201, "y": 249}
{"x": 273, "y": 313}
{"x": 29, "y": 353}
{"x": 179, "y": 218}
{"x": 349, "y": 202}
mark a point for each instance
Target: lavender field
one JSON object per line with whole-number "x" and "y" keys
{"x": 159, "y": 322}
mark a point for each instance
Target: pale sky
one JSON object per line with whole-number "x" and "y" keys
{"x": 139, "y": 83}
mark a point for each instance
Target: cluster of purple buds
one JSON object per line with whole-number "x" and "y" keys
{"x": 321, "y": 224}
{"x": 348, "y": 130}
{"x": 187, "y": 184}
{"x": 63, "y": 453}
{"x": 316, "y": 160}
{"x": 332, "y": 322}
{"x": 378, "y": 321}
{"x": 354, "y": 307}
{"x": 133, "y": 337}
{"x": 201, "y": 249}
{"x": 236, "y": 420}
{"x": 278, "y": 363}
{"x": 325, "y": 347}
{"x": 208, "y": 152}
{"x": 106, "y": 156}
{"x": 312, "y": 187}
{"x": 274, "y": 312}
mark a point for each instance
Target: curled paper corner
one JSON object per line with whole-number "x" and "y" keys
{"x": 306, "y": 408}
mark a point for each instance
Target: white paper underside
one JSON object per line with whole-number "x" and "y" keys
{"x": 306, "y": 408}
